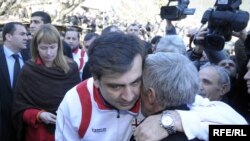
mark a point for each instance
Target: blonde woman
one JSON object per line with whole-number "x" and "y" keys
{"x": 42, "y": 84}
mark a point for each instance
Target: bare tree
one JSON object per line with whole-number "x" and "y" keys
{"x": 10, "y": 7}
{"x": 5, "y": 5}
{"x": 66, "y": 8}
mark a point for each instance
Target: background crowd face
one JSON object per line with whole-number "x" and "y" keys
{"x": 209, "y": 86}
{"x": 133, "y": 29}
{"x": 229, "y": 66}
{"x": 71, "y": 37}
{"x": 35, "y": 23}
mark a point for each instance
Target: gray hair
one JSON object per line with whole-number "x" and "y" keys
{"x": 224, "y": 78}
{"x": 171, "y": 43}
{"x": 173, "y": 76}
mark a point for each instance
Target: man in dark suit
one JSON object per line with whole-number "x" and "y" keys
{"x": 15, "y": 39}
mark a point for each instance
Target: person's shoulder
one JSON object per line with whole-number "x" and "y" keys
{"x": 71, "y": 94}
{"x": 28, "y": 64}
{"x": 65, "y": 45}
{"x": 205, "y": 102}
{"x": 1, "y": 48}
{"x": 70, "y": 61}
{"x": 73, "y": 66}
{"x": 28, "y": 68}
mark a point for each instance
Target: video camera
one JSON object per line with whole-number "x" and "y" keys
{"x": 176, "y": 12}
{"x": 224, "y": 18}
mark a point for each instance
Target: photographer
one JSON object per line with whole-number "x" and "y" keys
{"x": 222, "y": 20}
{"x": 238, "y": 97}
{"x": 196, "y": 53}
{"x": 240, "y": 51}
{"x": 175, "y": 13}
{"x": 170, "y": 29}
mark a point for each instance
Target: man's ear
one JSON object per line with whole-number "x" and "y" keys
{"x": 151, "y": 95}
{"x": 225, "y": 89}
{"x": 96, "y": 82}
{"x": 8, "y": 36}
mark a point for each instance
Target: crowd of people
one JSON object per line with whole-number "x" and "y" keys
{"x": 117, "y": 85}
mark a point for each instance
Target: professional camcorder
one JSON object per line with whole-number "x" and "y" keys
{"x": 176, "y": 12}
{"x": 224, "y": 18}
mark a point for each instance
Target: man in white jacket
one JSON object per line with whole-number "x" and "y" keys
{"x": 107, "y": 106}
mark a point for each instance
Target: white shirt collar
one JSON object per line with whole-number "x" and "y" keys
{"x": 9, "y": 53}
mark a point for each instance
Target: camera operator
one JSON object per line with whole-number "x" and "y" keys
{"x": 225, "y": 18}
{"x": 239, "y": 48}
{"x": 174, "y": 13}
{"x": 196, "y": 53}
{"x": 170, "y": 28}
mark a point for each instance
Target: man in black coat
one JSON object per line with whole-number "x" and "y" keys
{"x": 15, "y": 39}
{"x": 39, "y": 18}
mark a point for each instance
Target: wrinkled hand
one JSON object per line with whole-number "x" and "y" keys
{"x": 48, "y": 118}
{"x": 241, "y": 35}
{"x": 150, "y": 130}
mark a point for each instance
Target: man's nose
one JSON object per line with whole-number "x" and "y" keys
{"x": 31, "y": 24}
{"x": 127, "y": 94}
{"x": 201, "y": 85}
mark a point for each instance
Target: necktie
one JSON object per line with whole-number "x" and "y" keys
{"x": 17, "y": 69}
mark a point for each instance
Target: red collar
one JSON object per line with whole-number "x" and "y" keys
{"x": 39, "y": 61}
